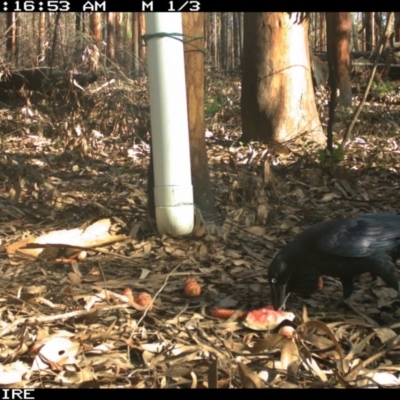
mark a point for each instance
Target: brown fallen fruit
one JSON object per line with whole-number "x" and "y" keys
{"x": 192, "y": 288}
{"x": 287, "y": 331}
{"x": 143, "y": 299}
{"x": 224, "y": 313}
{"x": 266, "y": 318}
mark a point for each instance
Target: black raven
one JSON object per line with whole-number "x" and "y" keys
{"x": 342, "y": 248}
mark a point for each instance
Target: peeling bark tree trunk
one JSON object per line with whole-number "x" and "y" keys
{"x": 339, "y": 28}
{"x": 278, "y": 101}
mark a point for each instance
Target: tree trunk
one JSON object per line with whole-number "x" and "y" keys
{"x": 18, "y": 40}
{"x": 56, "y": 38}
{"x": 142, "y": 31}
{"x": 241, "y": 38}
{"x": 84, "y": 18}
{"x": 224, "y": 41}
{"x": 397, "y": 26}
{"x": 103, "y": 25}
{"x": 354, "y": 41}
{"x": 10, "y": 42}
{"x": 119, "y": 36}
{"x": 313, "y": 31}
{"x": 339, "y": 29}
{"x": 193, "y": 26}
{"x": 216, "y": 42}
{"x": 230, "y": 59}
{"x": 278, "y": 101}
{"x": 135, "y": 43}
{"x": 369, "y": 31}
{"x": 95, "y": 26}
{"x": 236, "y": 39}
{"x": 110, "y": 36}
{"x": 41, "y": 37}
{"x": 322, "y": 31}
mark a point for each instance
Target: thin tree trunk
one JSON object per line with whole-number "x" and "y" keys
{"x": 322, "y": 31}
{"x": 95, "y": 26}
{"x": 193, "y": 26}
{"x": 369, "y": 31}
{"x": 339, "y": 42}
{"x": 10, "y": 42}
{"x": 142, "y": 31}
{"x": 397, "y": 26}
{"x": 110, "y": 36}
{"x": 135, "y": 43}
{"x": 119, "y": 36}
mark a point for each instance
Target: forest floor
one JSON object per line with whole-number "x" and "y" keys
{"x": 69, "y": 160}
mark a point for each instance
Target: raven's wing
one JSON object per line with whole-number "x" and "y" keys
{"x": 360, "y": 237}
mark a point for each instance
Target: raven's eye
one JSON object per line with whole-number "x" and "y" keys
{"x": 273, "y": 280}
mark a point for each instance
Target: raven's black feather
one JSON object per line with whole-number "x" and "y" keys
{"x": 342, "y": 248}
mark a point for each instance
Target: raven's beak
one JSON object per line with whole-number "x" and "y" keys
{"x": 278, "y": 296}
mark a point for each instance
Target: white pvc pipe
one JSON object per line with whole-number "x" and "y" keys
{"x": 173, "y": 191}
